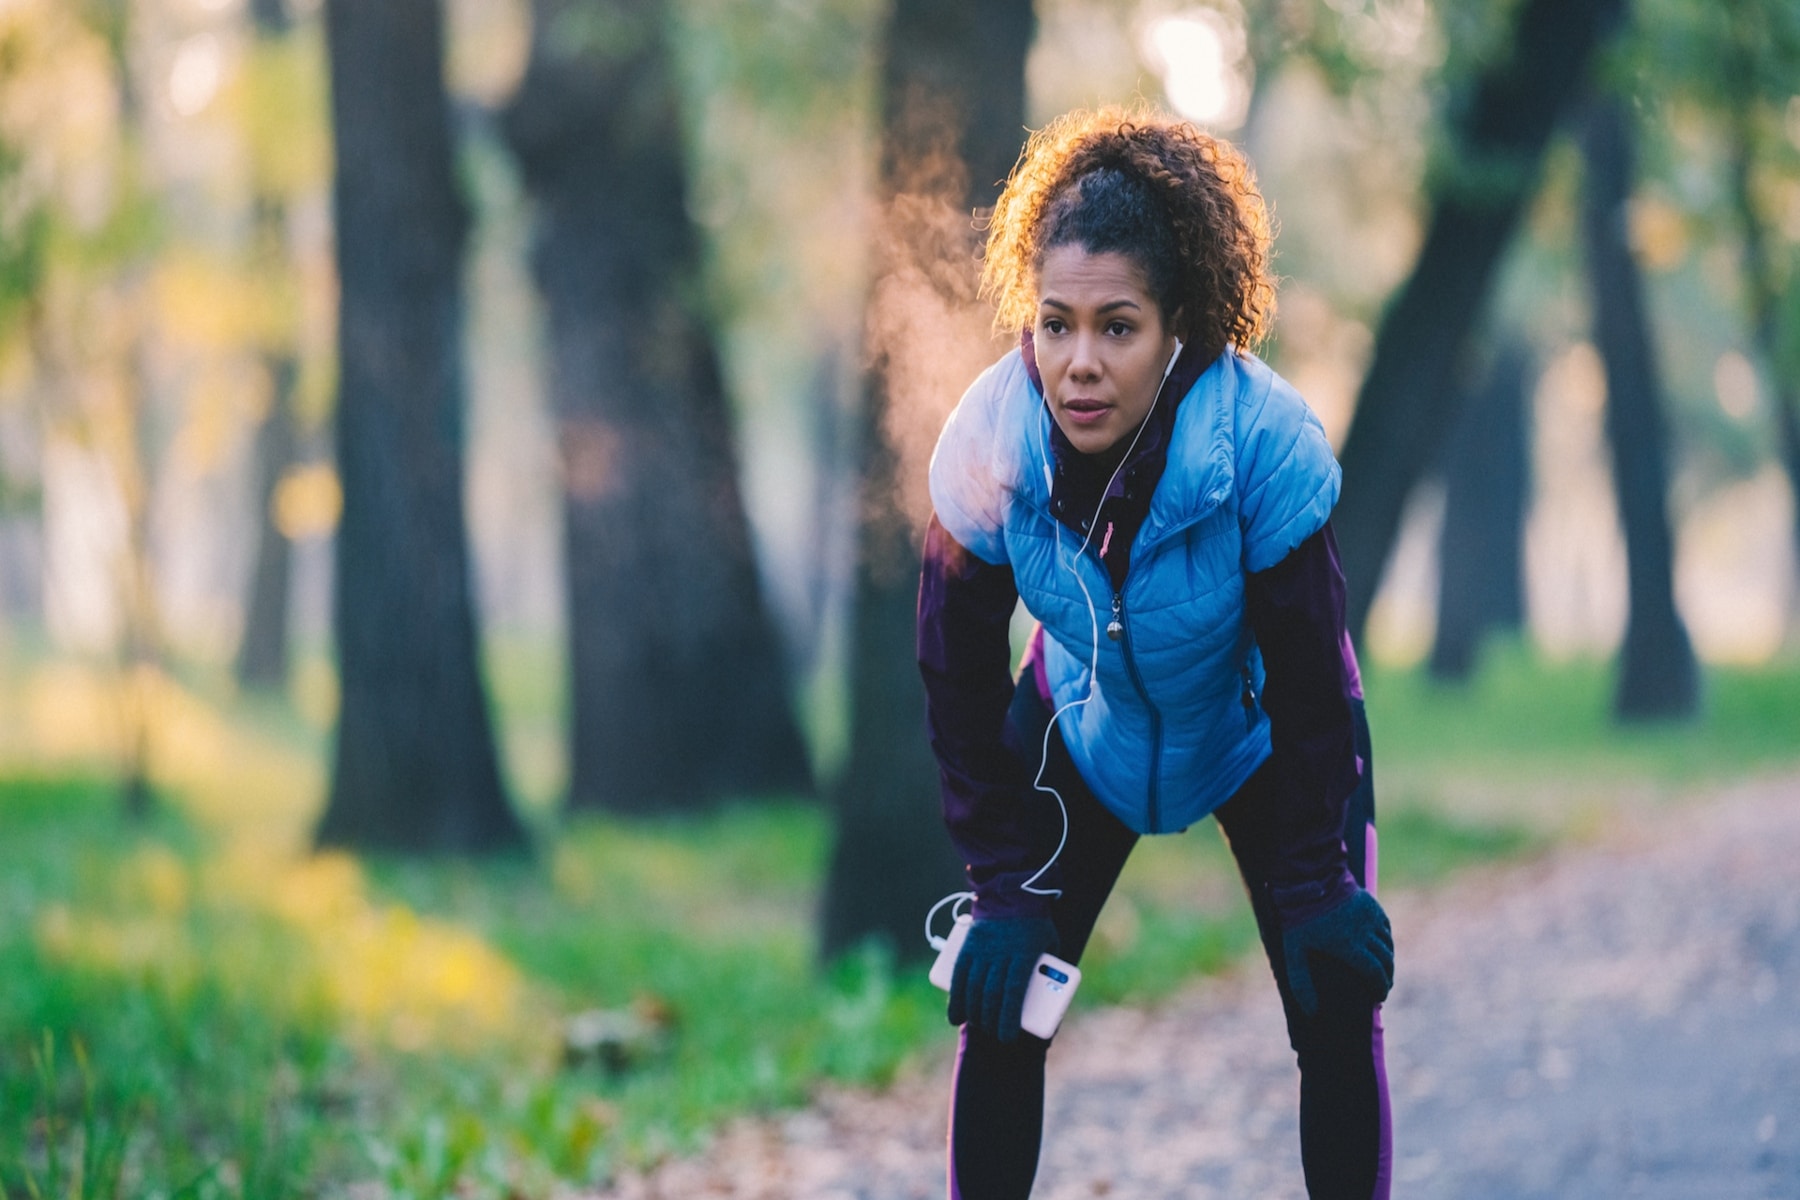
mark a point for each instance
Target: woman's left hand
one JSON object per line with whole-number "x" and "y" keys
{"x": 1356, "y": 935}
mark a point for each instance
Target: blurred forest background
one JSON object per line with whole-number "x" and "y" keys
{"x": 459, "y": 470}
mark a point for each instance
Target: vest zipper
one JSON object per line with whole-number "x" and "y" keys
{"x": 1152, "y": 800}
{"x": 1137, "y": 681}
{"x": 1249, "y": 697}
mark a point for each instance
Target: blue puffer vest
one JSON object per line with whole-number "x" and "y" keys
{"x": 1171, "y": 726}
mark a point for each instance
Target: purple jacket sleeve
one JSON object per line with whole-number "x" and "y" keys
{"x": 1296, "y": 611}
{"x": 965, "y": 607}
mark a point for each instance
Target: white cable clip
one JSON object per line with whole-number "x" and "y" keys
{"x": 932, "y": 939}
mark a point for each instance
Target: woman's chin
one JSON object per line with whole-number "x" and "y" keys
{"x": 1092, "y": 442}
{"x": 1089, "y": 437}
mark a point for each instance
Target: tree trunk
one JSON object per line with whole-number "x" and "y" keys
{"x": 1657, "y": 674}
{"x": 271, "y": 17}
{"x": 415, "y": 765}
{"x": 262, "y": 657}
{"x": 679, "y": 691}
{"x": 142, "y": 652}
{"x": 1408, "y": 399}
{"x": 953, "y": 117}
{"x": 1764, "y": 294}
{"x": 142, "y": 642}
{"x": 1481, "y": 569}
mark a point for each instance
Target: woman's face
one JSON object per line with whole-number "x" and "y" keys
{"x": 1101, "y": 346}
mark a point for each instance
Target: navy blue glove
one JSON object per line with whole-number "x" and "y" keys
{"x": 987, "y": 987}
{"x": 1355, "y": 935}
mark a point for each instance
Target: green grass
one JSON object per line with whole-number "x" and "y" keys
{"x": 1533, "y": 746}
{"x": 1527, "y": 720}
{"x": 224, "y": 1050}
{"x": 118, "y": 1022}
{"x": 193, "y": 1007}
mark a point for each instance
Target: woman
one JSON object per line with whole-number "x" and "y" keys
{"x": 1160, "y": 500}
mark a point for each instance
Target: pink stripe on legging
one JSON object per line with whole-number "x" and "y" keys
{"x": 1384, "y": 1168}
{"x": 1034, "y": 662}
{"x": 951, "y": 1189}
{"x": 1371, "y": 858}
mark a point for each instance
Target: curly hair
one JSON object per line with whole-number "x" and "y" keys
{"x": 1180, "y": 203}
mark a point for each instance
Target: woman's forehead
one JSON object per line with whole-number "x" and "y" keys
{"x": 1073, "y": 273}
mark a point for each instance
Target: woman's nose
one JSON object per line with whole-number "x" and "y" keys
{"x": 1085, "y": 363}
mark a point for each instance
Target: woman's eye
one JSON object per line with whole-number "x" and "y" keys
{"x": 1118, "y": 328}
{"x": 1053, "y": 325}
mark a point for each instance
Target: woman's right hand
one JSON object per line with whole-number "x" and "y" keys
{"x": 987, "y": 986}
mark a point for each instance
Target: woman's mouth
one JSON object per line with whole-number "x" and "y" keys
{"x": 1086, "y": 412}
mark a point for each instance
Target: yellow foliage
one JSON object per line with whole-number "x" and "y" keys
{"x": 126, "y": 944}
{"x": 58, "y": 101}
{"x": 279, "y": 98}
{"x": 1658, "y": 232}
{"x": 387, "y": 973}
{"x": 314, "y": 692}
{"x": 209, "y": 305}
{"x": 260, "y": 913}
{"x": 70, "y": 714}
{"x": 390, "y": 973}
{"x": 308, "y": 501}
{"x": 315, "y": 892}
{"x": 160, "y": 880}
{"x": 66, "y": 714}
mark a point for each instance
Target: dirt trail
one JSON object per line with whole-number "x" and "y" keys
{"x": 1616, "y": 1019}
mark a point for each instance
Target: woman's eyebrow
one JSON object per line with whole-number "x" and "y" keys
{"x": 1109, "y": 306}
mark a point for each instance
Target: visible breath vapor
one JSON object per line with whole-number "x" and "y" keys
{"x": 927, "y": 335}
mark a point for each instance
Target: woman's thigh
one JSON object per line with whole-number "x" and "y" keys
{"x": 1097, "y": 844}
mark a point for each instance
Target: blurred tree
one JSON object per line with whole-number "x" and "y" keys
{"x": 1496, "y": 138}
{"x": 262, "y": 656}
{"x": 24, "y": 227}
{"x": 1729, "y": 71}
{"x": 119, "y": 428}
{"x": 953, "y": 116}
{"x": 24, "y": 238}
{"x": 1657, "y": 673}
{"x": 679, "y": 692}
{"x": 1758, "y": 72}
{"x": 1486, "y": 468}
{"x": 415, "y": 764}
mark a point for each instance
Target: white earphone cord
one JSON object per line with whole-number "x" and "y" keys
{"x": 1037, "y": 783}
{"x": 1093, "y": 630}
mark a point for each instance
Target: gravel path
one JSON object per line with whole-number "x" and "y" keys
{"x": 1615, "y": 1019}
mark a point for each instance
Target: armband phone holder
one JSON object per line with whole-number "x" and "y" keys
{"x": 1047, "y": 996}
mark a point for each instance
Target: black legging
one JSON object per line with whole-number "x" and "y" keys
{"x": 997, "y": 1101}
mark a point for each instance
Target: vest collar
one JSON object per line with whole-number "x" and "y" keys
{"x": 1198, "y": 474}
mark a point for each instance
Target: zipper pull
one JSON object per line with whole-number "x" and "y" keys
{"x": 1115, "y": 628}
{"x": 1249, "y": 699}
